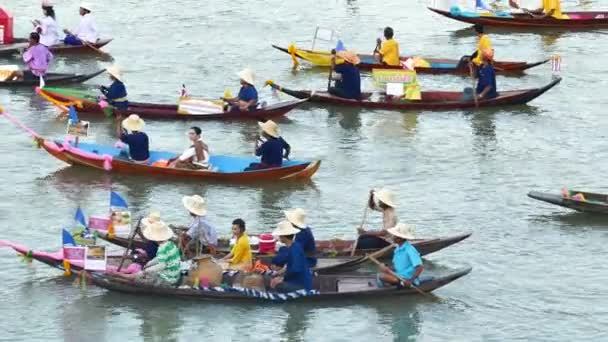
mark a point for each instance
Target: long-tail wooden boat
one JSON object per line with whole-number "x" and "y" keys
{"x": 430, "y": 100}
{"x": 577, "y": 20}
{"x": 589, "y": 202}
{"x": 327, "y": 288}
{"x": 425, "y": 65}
{"x": 88, "y": 103}
{"x": 22, "y": 43}
{"x": 51, "y": 79}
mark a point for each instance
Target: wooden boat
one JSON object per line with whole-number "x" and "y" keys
{"x": 427, "y": 65}
{"x": 577, "y": 20}
{"x": 52, "y": 79}
{"x": 87, "y": 103}
{"x": 590, "y": 203}
{"x": 430, "y": 100}
{"x": 22, "y": 43}
{"x": 328, "y": 287}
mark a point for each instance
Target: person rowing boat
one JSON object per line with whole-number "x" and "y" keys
{"x": 548, "y": 8}
{"x": 348, "y": 83}
{"x": 486, "y": 82}
{"x": 87, "y": 29}
{"x": 474, "y": 60}
{"x": 382, "y": 200}
{"x": 305, "y": 237}
{"x": 270, "y": 147}
{"x": 116, "y": 93}
{"x": 47, "y": 27}
{"x": 407, "y": 262}
{"x": 291, "y": 265}
{"x": 387, "y": 52}
{"x": 247, "y": 99}
{"x": 130, "y": 132}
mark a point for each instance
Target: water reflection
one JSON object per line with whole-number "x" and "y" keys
{"x": 348, "y": 118}
{"x": 402, "y": 317}
{"x": 298, "y": 320}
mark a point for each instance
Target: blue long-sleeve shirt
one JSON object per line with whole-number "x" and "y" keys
{"x": 297, "y": 271}
{"x": 307, "y": 240}
{"x": 117, "y": 91}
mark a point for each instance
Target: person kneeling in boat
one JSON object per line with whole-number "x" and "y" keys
{"x": 387, "y": 52}
{"x": 116, "y": 94}
{"x": 240, "y": 257}
{"x": 486, "y": 83}
{"x": 195, "y": 157}
{"x": 271, "y": 147}
{"x": 247, "y": 100}
{"x": 295, "y": 274}
{"x": 382, "y": 200}
{"x": 137, "y": 140}
{"x": 407, "y": 262}
{"x": 297, "y": 217}
{"x": 348, "y": 84}
{"x": 37, "y": 57}
{"x": 87, "y": 29}
{"x": 201, "y": 235}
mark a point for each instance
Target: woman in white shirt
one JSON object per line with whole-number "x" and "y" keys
{"x": 87, "y": 29}
{"x": 196, "y": 157}
{"x": 47, "y": 27}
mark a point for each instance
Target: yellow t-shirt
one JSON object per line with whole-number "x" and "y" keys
{"x": 390, "y": 52}
{"x": 484, "y": 43}
{"x": 241, "y": 252}
{"x": 549, "y": 5}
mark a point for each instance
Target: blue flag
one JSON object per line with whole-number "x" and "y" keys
{"x": 80, "y": 218}
{"x": 73, "y": 115}
{"x": 482, "y": 5}
{"x": 116, "y": 201}
{"x": 68, "y": 239}
{"x": 340, "y": 46}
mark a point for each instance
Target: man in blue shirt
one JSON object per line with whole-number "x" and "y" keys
{"x": 406, "y": 259}
{"x": 273, "y": 150}
{"x": 296, "y": 274}
{"x": 486, "y": 84}
{"x": 348, "y": 85}
{"x": 116, "y": 94}
{"x": 297, "y": 217}
{"x": 247, "y": 100}
{"x": 138, "y": 141}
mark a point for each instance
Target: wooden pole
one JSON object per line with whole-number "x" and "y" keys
{"x": 131, "y": 238}
{"x": 417, "y": 289}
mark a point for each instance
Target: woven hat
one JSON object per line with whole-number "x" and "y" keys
{"x": 349, "y": 56}
{"x": 247, "y": 75}
{"x": 297, "y": 217}
{"x": 402, "y": 230}
{"x": 270, "y": 127}
{"x": 195, "y": 204}
{"x": 153, "y": 217}
{"x": 285, "y": 228}
{"x": 133, "y": 123}
{"x": 157, "y": 231}
{"x": 86, "y": 6}
{"x": 385, "y": 196}
{"x": 114, "y": 71}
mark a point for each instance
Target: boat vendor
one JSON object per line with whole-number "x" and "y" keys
{"x": 164, "y": 269}
{"x": 387, "y": 52}
{"x": 297, "y": 217}
{"x": 37, "y": 57}
{"x": 486, "y": 82}
{"x": 407, "y": 263}
{"x": 138, "y": 141}
{"x": 382, "y": 200}
{"x": 240, "y": 257}
{"x": 47, "y": 27}
{"x": 348, "y": 82}
{"x": 201, "y": 235}
{"x": 195, "y": 157}
{"x": 116, "y": 94}
{"x": 296, "y": 274}
{"x": 247, "y": 99}
{"x": 87, "y": 29}
{"x": 548, "y": 8}
{"x": 271, "y": 147}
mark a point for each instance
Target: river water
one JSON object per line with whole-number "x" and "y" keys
{"x": 539, "y": 272}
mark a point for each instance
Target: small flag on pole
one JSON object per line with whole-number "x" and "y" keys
{"x": 80, "y": 218}
{"x": 68, "y": 239}
{"x": 340, "y": 46}
{"x": 42, "y": 84}
{"x": 116, "y": 201}
{"x": 73, "y": 115}
{"x": 184, "y": 92}
{"x": 479, "y": 4}
{"x": 556, "y": 63}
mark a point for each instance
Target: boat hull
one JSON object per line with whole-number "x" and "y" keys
{"x": 595, "y": 203}
{"x": 22, "y": 43}
{"x": 52, "y": 79}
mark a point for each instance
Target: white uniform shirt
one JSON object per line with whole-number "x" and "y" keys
{"x": 49, "y": 34}
{"x": 191, "y": 152}
{"x": 87, "y": 30}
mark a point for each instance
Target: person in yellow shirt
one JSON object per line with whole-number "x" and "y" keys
{"x": 483, "y": 43}
{"x": 240, "y": 256}
{"x": 387, "y": 52}
{"x": 549, "y": 8}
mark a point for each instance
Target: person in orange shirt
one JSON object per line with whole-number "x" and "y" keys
{"x": 387, "y": 52}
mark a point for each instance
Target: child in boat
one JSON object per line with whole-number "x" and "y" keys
{"x": 383, "y": 201}
{"x": 195, "y": 157}
{"x": 137, "y": 140}
{"x": 47, "y": 27}
{"x": 387, "y": 52}
{"x": 247, "y": 99}
{"x": 240, "y": 257}
{"x": 116, "y": 94}
{"x": 271, "y": 147}
{"x": 296, "y": 274}
{"x": 297, "y": 217}
{"x": 87, "y": 29}
{"x": 348, "y": 84}
{"x": 486, "y": 83}
{"x": 407, "y": 263}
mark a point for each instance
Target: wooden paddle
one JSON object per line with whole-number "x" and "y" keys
{"x": 473, "y": 85}
{"x": 354, "y": 248}
{"x": 426, "y": 294}
{"x": 131, "y": 238}
{"x": 331, "y": 68}
{"x": 92, "y": 47}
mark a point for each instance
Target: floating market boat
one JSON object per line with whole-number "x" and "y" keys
{"x": 52, "y": 79}
{"x": 22, "y": 43}
{"x": 587, "y": 202}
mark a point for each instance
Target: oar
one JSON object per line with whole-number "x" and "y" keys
{"x": 331, "y": 69}
{"x": 354, "y": 248}
{"x": 94, "y": 48}
{"x": 473, "y": 85}
{"x": 131, "y": 237}
{"x": 417, "y": 289}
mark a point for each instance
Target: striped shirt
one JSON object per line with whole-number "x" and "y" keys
{"x": 168, "y": 253}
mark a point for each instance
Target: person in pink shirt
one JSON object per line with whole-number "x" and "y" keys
{"x": 37, "y": 57}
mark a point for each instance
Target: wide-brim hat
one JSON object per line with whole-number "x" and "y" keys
{"x": 297, "y": 217}
{"x": 152, "y": 218}
{"x": 87, "y": 6}
{"x": 385, "y": 196}
{"x": 247, "y": 75}
{"x": 133, "y": 123}
{"x": 285, "y": 228}
{"x": 402, "y": 230}
{"x": 114, "y": 71}
{"x": 157, "y": 231}
{"x": 195, "y": 204}
{"x": 46, "y": 3}
{"x": 349, "y": 56}
{"x": 270, "y": 128}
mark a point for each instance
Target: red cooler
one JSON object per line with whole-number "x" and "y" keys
{"x": 6, "y": 26}
{"x": 267, "y": 243}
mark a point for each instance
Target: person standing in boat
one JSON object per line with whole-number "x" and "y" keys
{"x": 196, "y": 157}
{"x": 37, "y": 57}
{"x": 407, "y": 262}
{"x": 486, "y": 82}
{"x": 47, "y": 27}
{"x": 201, "y": 235}
{"x": 348, "y": 82}
{"x": 138, "y": 141}
{"x": 387, "y": 52}
{"x": 240, "y": 257}
{"x": 295, "y": 274}
{"x": 247, "y": 99}
{"x": 305, "y": 237}
{"x": 116, "y": 93}
{"x": 271, "y": 147}
{"x": 87, "y": 29}
{"x": 382, "y": 200}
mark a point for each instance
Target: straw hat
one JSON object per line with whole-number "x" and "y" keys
{"x": 349, "y": 56}
{"x": 247, "y": 75}
{"x": 285, "y": 228}
{"x": 158, "y": 231}
{"x": 133, "y": 123}
{"x": 47, "y": 3}
{"x": 153, "y": 217}
{"x": 402, "y": 230}
{"x": 195, "y": 204}
{"x": 385, "y": 196}
{"x": 297, "y": 217}
{"x": 86, "y": 6}
{"x": 270, "y": 127}
{"x": 114, "y": 71}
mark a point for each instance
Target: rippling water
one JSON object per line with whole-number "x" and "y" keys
{"x": 539, "y": 271}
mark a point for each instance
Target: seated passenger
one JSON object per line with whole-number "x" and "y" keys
{"x": 87, "y": 29}
{"x": 116, "y": 94}
{"x": 137, "y": 140}
{"x": 407, "y": 263}
{"x": 195, "y": 157}
{"x": 348, "y": 84}
{"x": 297, "y": 217}
{"x": 296, "y": 274}
{"x": 272, "y": 150}
{"x": 240, "y": 257}
{"x": 247, "y": 100}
